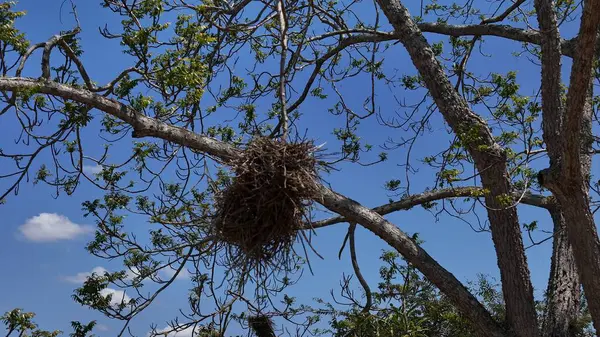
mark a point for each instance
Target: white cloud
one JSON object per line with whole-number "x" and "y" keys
{"x": 118, "y": 296}
{"x": 168, "y": 272}
{"x": 81, "y": 277}
{"x": 132, "y": 273}
{"x": 48, "y": 227}
{"x": 102, "y": 327}
{"x": 187, "y": 332}
{"x": 92, "y": 169}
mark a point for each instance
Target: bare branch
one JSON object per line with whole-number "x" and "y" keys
{"x": 71, "y": 54}
{"x": 429, "y": 196}
{"x": 506, "y": 13}
{"x": 504, "y": 31}
{"x": 361, "y": 279}
{"x": 143, "y": 126}
{"x": 414, "y": 254}
{"x": 48, "y": 46}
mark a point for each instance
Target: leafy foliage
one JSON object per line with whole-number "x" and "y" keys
{"x": 185, "y": 69}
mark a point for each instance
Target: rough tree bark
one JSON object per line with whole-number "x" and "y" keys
{"x": 564, "y": 290}
{"x": 429, "y": 196}
{"x": 490, "y": 160}
{"x": 568, "y": 177}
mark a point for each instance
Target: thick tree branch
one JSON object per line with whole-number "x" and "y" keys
{"x": 564, "y": 290}
{"x": 569, "y": 179}
{"x": 142, "y": 126}
{"x": 417, "y": 256}
{"x": 490, "y": 160}
{"x": 429, "y": 196}
{"x": 581, "y": 73}
{"x": 414, "y": 254}
{"x": 48, "y": 46}
{"x": 552, "y": 106}
{"x": 504, "y": 31}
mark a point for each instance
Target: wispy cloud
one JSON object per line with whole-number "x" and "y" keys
{"x": 132, "y": 273}
{"x": 102, "y": 327}
{"x": 79, "y": 278}
{"x": 166, "y": 272}
{"x": 169, "y": 272}
{"x": 49, "y": 227}
{"x": 92, "y": 169}
{"x": 118, "y": 296}
{"x": 187, "y": 332}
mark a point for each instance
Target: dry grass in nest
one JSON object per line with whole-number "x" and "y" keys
{"x": 259, "y": 213}
{"x": 261, "y": 325}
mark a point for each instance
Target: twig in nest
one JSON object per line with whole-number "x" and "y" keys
{"x": 259, "y": 213}
{"x": 261, "y": 325}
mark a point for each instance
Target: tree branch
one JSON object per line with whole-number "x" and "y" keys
{"x": 429, "y": 196}
{"x": 414, "y": 254}
{"x": 48, "y": 46}
{"x": 283, "y": 26}
{"x": 570, "y": 179}
{"x": 367, "y": 307}
{"x": 504, "y": 31}
{"x": 564, "y": 289}
{"x": 490, "y": 160}
{"x": 143, "y": 126}
{"x": 552, "y": 106}
{"x": 581, "y": 73}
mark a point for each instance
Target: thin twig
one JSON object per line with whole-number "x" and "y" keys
{"x": 282, "y": 72}
{"x": 361, "y": 279}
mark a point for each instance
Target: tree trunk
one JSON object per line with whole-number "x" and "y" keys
{"x": 581, "y": 227}
{"x": 490, "y": 160}
{"x": 569, "y": 177}
{"x": 581, "y": 232}
{"x": 584, "y": 239}
{"x": 563, "y": 295}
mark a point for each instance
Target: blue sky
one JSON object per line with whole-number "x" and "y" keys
{"x": 43, "y": 270}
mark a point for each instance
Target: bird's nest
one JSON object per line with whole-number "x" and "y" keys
{"x": 259, "y": 213}
{"x": 261, "y": 325}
